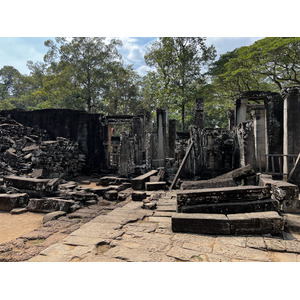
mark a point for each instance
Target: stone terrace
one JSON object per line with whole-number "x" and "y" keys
{"x": 130, "y": 233}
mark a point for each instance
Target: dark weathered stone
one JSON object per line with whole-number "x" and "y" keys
{"x": 281, "y": 190}
{"x": 138, "y": 183}
{"x": 256, "y": 223}
{"x": 11, "y": 201}
{"x": 23, "y": 183}
{"x": 111, "y": 195}
{"x": 222, "y": 195}
{"x": 234, "y": 224}
{"x": 200, "y": 223}
{"x": 49, "y": 205}
{"x": 155, "y": 186}
{"x": 203, "y": 184}
{"x": 238, "y": 174}
{"x": 233, "y": 207}
{"x": 138, "y": 196}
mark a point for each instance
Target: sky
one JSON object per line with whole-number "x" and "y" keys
{"x": 16, "y": 51}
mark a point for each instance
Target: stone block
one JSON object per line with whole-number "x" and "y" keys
{"x": 53, "y": 216}
{"x": 256, "y": 223}
{"x": 281, "y": 190}
{"x": 222, "y": 195}
{"x": 138, "y": 196}
{"x": 111, "y": 195}
{"x": 155, "y": 186}
{"x": 291, "y": 206}
{"x": 238, "y": 174}
{"x": 200, "y": 223}
{"x": 11, "y": 201}
{"x": 138, "y": 183}
{"x": 232, "y": 207}
{"x": 204, "y": 184}
{"x": 47, "y": 205}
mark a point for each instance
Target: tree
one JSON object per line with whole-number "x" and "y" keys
{"x": 87, "y": 60}
{"x": 178, "y": 62}
{"x": 121, "y": 95}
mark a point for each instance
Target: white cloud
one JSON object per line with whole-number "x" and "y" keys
{"x": 142, "y": 70}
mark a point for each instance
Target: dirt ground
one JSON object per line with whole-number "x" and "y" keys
{"x": 13, "y": 226}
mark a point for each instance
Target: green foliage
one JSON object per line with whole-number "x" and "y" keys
{"x": 177, "y": 76}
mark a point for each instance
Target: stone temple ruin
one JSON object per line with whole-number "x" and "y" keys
{"x": 233, "y": 181}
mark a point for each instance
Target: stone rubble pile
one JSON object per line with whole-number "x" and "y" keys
{"x": 23, "y": 149}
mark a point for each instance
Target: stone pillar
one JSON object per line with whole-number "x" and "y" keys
{"x": 172, "y": 137}
{"x": 230, "y": 116}
{"x": 137, "y": 131}
{"x": 259, "y": 136}
{"x": 274, "y": 128}
{"x": 240, "y": 110}
{"x": 245, "y": 136}
{"x": 126, "y": 158}
{"x": 291, "y": 125}
{"x": 161, "y": 135}
{"x": 199, "y": 113}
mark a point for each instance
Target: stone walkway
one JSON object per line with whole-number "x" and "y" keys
{"x": 130, "y": 233}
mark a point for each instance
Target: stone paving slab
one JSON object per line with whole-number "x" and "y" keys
{"x": 147, "y": 237}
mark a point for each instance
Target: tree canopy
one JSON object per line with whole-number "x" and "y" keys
{"x": 88, "y": 73}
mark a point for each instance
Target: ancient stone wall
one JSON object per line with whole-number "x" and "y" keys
{"x": 78, "y": 126}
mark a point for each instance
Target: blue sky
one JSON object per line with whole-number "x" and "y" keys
{"x": 16, "y": 51}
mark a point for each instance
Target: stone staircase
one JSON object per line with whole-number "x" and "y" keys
{"x": 228, "y": 210}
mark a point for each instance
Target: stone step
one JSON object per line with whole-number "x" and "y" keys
{"x": 155, "y": 186}
{"x": 138, "y": 183}
{"x": 234, "y": 224}
{"x": 232, "y": 207}
{"x": 11, "y": 201}
{"x": 204, "y": 184}
{"x": 222, "y": 195}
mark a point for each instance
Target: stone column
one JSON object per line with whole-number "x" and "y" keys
{"x": 291, "y": 125}
{"x": 274, "y": 127}
{"x": 240, "y": 110}
{"x": 172, "y": 137}
{"x": 161, "y": 135}
{"x": 230, "y": 116}
{"x": 259, "y": 117}
{"x": 199, "y": 113}
{"x": 245, "y": 137}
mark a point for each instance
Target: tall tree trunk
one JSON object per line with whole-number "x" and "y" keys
{"x": 182, "y": 117}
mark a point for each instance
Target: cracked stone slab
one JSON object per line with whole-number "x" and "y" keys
{"x": 77, "y": 240}
{"x": 232, "y": 240}
{"x": 256, "y": 242}
{"x": 182, "y": 254}
{"x": 240, "y": 252}
{"x": 197, "y": 247}
{"x": 66, "y": 252}
{"x": 275, "y": 245}
{"x": 211, "y": 257}
{"x": 284, "y": 257}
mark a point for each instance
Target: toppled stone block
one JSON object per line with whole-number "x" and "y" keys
{"x": 222, "y": 195}
{"x": 200, "y": 223}
{"x": 291, "y": 206}
{"x": 138, "y": 196}
{"x": 111, "y": 195}
{"x": 281, "y": 190}
{"x": 11, "y": 201}
{"x": 47, "y": 205}
{"x": 155, "y": 186}
{"x": 204, "y": 184}
{"x": 24, "y": 183}
{"x": 233, "y": 207}
{"x": 138, "y": 183}
{"x": 256, "y": 223}
{"x": 53, "y": 216}
{"x": 238, "y": 174}
{"x": 109, "y": 180}
{"x": 233, "y": 224}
